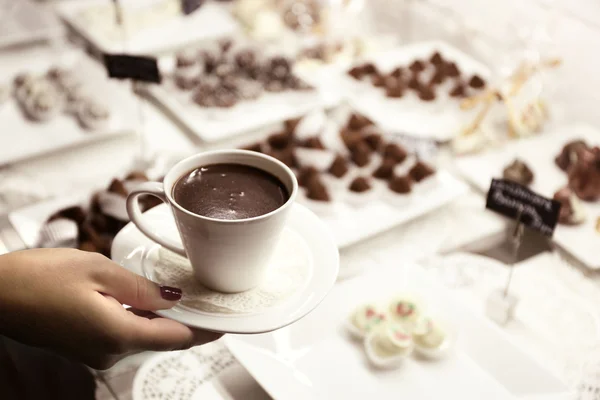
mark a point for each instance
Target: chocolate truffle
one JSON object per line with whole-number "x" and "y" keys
{"x": 414, "y": 83}
{"x": 518, "y": 172}
{"x": 257, "y": 147}
{"x": 117, "y": 187}
{"x": 394, "y": 88}
{"x": 369, "y": 68}
{"x": 374, "y": 140}
{"x": 315, "y": 190}
{"x": 395, "y": 152}
{"x": 427, "y": 93}
{"x": 357, "y": 72}
{"x": 360, "y": 185}
{"x": 351, "y": 138}
{"x": 451, "y": 70}
{"x": 225, "y": 99}
{"x": 209, "y": 59}
{"x": 570, "y": 153}
{"x": 361, "y": 154}
{"x": 571, "y": 210}
{"x": 379, "y": 80}
{"x": 279, "y": 140}
{"x": 307, "y": 174}
{"x": 400, "y": 184}
{"x": 436, "y": 58}
{"x": 291, "y": 124}
{"x": 398, "y": 73}
{"x": 476, "y": 82}
{"x": 459, "y": 90}
{"x": 312, "y": 143}
{"x": 185, "y": 59}
{"x": 386, "y": 169}
{"x": 584, "y": 175}
{"x": 186, "y": 82}
{"x": 421, "y": 171}
{"x": 286, "y": 156}
{"x": 339, "y": 167}
{"x": 437, "y": 78}
{"x": 358, "y": 122}
{"x": 246, "y": 60}
{"x": 417, "y": 66}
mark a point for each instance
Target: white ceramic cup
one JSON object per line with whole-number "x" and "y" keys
{"x": 226, "y": 255}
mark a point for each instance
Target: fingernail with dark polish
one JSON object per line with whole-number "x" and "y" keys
{"x": 170, "y": 293}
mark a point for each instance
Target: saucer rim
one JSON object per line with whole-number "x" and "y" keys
{"x": 323, "y": 273}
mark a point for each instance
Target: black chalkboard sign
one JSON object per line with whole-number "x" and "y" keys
{"x": 189, "y": 6}
{"x": 537, "y": 212}
{"x": 138, "y": 68}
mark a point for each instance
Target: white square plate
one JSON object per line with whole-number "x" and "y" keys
{"x": 22, "y": 138}
{"x": 440, "y": 119}
{"x": 316, "y": 359}
{"x": 159, "y": 33}
{"x": 24, "y": 22}
{"x": 539, "y": 152}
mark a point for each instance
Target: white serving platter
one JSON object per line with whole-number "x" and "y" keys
{"x": 22, "y": 138}
{"x": 316, "y": 358}
{"x": 538, "y": 152}
{"x": 440, "y": 119}
{"x": 150, "y": 32}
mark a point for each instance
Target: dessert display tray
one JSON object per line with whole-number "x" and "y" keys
{"x": 301, "y": 362}
{"x": 440, "y": 119}
{"x": 23, "y": 22}
{"x": 154, "y": 30}
{"x": 538, "y": 153}
{"x": 351, "y": 224}
{"x": 214, "y": 124}
{"x": 23, "y": 138}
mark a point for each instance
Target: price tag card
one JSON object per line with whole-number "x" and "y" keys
{"x": 537, "y": 212}
{"x": 138, "y": 68}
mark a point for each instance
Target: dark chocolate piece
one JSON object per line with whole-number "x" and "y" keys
{"x": 394, "y": 88}
{"x": 286, "y": 156}
{"x": 395, "y": 152}
{"x": 379, "y": 80}
{"x": 279, "y": 140}
{"x": 315, "y": 190}
{"x": 290, "y": 125}
{"x": 518, "y": 172}
{"x": 584, "y": 175}
{"x": 351, "y": 138}
{"x": 459, "y": 90}
{"x": 137, "y": 176}
{"x": 421, "y": 171}
{"x": 400, "y": 184}
{"x": 427, "y": 93}
{"x": 570, "y": 153}
{"x": 117, "y": 187}
{"x": 361, "y": 154}
{"x": 451, "y": 70}
{"x": 437, "y": 78}
{"x": 306, "y": 175}
{"x": 567, "y": 212}
{"x": 358, "y": 122}
{"x": 414, "y": 83}
{"x": 374, "y": 140}
{"x": 360, "y": 185}
{"x": 417, "y": 66}
{"x": 436, "y": 58}
{"x": 339, "y": 167}
{"x": 398, "y": 73}
{"x": 74, "y": 213}
{"x": 256, "y": 147}
{"x": 386, "y": 169}
{"x": 476, "y": 82}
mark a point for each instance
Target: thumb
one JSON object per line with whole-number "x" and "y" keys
{"x": 137, "y": 291}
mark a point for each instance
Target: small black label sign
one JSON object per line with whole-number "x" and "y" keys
{"x": 537, "y": 212}
{"x": 138, "y": 68}
{"x": 189, "y": 6}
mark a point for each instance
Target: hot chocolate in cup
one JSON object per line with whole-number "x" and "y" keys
{"x": 230, "y": 208}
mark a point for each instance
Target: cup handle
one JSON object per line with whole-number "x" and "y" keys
{"x": 135, "y": 214}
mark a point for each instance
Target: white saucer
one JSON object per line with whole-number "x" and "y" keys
{"x": 132, "y": 250}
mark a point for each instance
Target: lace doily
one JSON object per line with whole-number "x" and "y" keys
{"x": 179, "y": 376}
{"x": 289, "y": 270}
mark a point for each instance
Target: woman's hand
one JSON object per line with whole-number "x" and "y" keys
{"x": 70, "y": 301}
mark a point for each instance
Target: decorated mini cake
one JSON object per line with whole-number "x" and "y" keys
{"x": 365, "y": 319}
{"x": 405, "y": 310}
{"x": 388, "y": 346}
{"x": 92, "y": 115}
{"x": 428, "y": 334}
{"x": 43, "y": 105}
{"x": 518, "y": 172}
